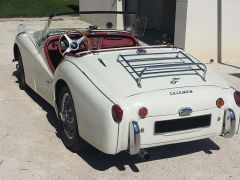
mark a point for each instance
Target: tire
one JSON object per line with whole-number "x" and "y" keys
{"x": 68, "y": 119}
{"x": 20, "y": 72}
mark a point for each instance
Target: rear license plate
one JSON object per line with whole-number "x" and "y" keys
{"x": 182, "y": 124}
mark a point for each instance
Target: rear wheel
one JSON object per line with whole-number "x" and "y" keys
{"x": 69, "y": 129}
{"x": 20, "y": 72}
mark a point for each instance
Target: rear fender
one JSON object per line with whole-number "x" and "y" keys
{"x": 93, "y": 108}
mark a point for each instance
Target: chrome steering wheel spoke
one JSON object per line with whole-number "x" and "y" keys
{"x": 73, "y": 45}
{"x": 80, "y": 40}
{"x": 68, "y": 38}
{"x": 67, "y": 51}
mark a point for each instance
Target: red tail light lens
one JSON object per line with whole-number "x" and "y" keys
{"x": 220, "y": 103}
{"x": 237, "y": 97}
{"x": 143, "y": 112}
{"x": 117, "y": 113}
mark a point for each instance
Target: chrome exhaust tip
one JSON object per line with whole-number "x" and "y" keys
{"x": 144, "y": 154}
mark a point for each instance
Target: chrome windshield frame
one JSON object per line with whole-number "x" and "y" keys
{"x": 49, "y": 20}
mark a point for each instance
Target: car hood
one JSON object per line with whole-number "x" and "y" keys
{"x": 117, "y": 83}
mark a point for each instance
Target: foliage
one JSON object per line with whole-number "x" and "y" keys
{"x": 35, "y": 8}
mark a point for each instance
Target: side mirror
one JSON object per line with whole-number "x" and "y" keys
{"x": 21, "y": 28}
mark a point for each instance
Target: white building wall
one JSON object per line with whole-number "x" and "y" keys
{"x": 180, "y": 23}
{"x": 230, "y": 30}
{"x": 197, "y": 29}
{"x": 201, "y": 29}
{"x": 102, "y": 5}
{"x": 196, "y": 23}
{"x": 98, "y": 5}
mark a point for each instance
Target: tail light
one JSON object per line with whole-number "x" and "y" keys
{"x": 117, "y": 113}
{"x": 237, "y": 97}
{"x": 143, "y": 112}
{"x": 220, "y": 102}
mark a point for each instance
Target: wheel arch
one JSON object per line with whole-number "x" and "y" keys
{"x": 59, "y": 84}
{"x": 15, "y": 51}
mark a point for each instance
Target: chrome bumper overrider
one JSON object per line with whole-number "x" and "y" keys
{"x": 134, "y": 138}
{"x": 229, "y": 123}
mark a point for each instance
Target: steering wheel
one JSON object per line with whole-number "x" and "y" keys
{"x": 73, "y": 44}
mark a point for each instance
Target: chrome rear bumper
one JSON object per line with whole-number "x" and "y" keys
{"x": 229, "y": 123}
{"x": 228, "y": 131}
{"x": 134, "y": 138}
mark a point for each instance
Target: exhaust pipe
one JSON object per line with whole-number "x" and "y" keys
{"x": 144, "y": 154}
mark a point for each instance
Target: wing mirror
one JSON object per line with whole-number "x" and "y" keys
{"x": 21, "y": 28}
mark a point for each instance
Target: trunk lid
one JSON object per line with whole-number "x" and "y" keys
{"x": 170, "y": 101}
{"x": 118, "y": 82}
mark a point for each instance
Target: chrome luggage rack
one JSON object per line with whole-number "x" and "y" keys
{"x": 143, "y": 65}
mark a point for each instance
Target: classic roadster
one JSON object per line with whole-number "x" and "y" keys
{"x": 116, "y": 93}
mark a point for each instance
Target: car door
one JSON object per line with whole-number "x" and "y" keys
{"x": 43, "y": 76}
{"x": 37, "y": 73}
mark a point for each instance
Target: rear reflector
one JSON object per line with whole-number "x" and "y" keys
{"x": 117, "y": 113}
{"x": 237, "y": 97}
{"x": 143, "y": 112}
{"x": 220, "y": 102}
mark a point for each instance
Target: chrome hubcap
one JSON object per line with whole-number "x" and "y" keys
{"x": 68, "y": 116}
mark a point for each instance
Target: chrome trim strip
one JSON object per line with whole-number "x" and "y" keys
{"x": 229, "y": 123}
{"x": 134, "y": 138}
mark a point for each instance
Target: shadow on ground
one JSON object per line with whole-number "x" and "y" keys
{"x": 51, "y": 115}
{"x": 230, "y": 65}
{"x": 236, "y": 75}
{"x": 102, "y": 162}
{"x": 233, "y": 66}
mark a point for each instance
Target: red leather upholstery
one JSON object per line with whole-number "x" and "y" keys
{"x": 97, "y": 40}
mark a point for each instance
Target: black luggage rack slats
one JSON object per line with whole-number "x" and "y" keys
{"x": 161, "y": 65}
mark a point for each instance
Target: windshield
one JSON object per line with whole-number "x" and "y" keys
{"x": 98, "y": 20}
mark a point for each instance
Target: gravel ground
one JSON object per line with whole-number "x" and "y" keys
{"x": 31, "y": 149}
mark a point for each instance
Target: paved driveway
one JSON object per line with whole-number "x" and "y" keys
{"x": 31, "y": 149}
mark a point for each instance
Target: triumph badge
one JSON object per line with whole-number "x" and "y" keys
{"x": 175, "y": 80}
{"x": 186, "y": 111}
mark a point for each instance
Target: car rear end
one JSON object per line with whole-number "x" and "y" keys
{"x": 176, "y": 115}
{"x": 160, "y": 96}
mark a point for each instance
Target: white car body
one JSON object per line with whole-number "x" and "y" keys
{"x": 98, "y": 81}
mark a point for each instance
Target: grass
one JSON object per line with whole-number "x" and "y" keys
{"x": 35, "y": 8}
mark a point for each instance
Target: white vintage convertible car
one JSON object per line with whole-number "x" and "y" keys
{"x": 116, "y": 93}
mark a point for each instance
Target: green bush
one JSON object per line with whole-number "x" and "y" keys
{"x": 35, "y": 8}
